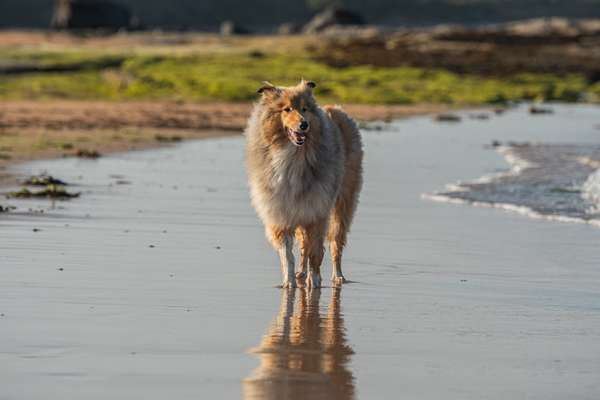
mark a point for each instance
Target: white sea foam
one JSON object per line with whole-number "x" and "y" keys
{"x": 516, "y": 163}
{"x": 543, "y": 181}
{"x": 591, "y": 191}
{"x": 442, "y": 198}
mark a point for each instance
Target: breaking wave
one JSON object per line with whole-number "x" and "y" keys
{"x": 554, "y": 181}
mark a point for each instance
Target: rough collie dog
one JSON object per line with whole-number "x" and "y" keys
{"x": 305, "y": 173}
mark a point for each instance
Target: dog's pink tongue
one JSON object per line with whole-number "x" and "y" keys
{"x": 298, "y": 137}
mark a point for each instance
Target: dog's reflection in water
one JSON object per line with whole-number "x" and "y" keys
{"x": 304, "y": 354}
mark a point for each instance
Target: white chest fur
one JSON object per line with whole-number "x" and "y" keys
{"x": 302, "y": 185}
{"x": 292, "y": 185}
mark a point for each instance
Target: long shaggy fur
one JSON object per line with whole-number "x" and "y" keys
{"x": 308, "y": 191}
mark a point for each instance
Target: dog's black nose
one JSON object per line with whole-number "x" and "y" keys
{"x": 304, "y": 125}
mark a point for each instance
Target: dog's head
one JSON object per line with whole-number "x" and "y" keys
{"x": 292, "y": 111}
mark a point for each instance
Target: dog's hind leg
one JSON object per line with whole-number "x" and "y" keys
{"x": 345, "y": 205}
{"x": 283, "y": 241}
{"x": 341, "y": 218}
{"x": 337, "y": 241}
{"x": 301, "y": 237}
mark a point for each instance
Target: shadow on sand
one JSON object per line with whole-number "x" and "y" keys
{"x": 303, "y": 355}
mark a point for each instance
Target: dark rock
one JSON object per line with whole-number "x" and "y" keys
{"x": 540, "y": 110}
{"x": 447, "y": 118}
{"x": 256, "y": 54}
{"x": 332, "y": 16}
{"x": 92, "y": 14}
{"x": 85, "y": 153}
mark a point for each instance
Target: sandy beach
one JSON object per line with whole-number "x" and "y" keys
{"x": 33, "y": 130}
{"x": 158, "y": 281}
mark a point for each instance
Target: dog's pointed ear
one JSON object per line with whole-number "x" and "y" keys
{"x": 267, "y": 88}
{"x": 310, "y": 85}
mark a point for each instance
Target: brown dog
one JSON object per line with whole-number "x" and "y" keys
{"x": 305, "y": 174}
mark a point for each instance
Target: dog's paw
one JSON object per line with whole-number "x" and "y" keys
{"x": 313, "y": 280}
{"x": 288, "y": 283}
{"x": 338, "y": 280}
{"x": 300, "y": 277}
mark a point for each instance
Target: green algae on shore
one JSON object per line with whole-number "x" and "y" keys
{"x": 43, "y": 180}
{"x": 51, "y": 192}
{"x": 199, "y": 77}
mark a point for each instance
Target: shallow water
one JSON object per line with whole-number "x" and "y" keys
{"x": 555, "y": 181}
{"x": 165, "y": 286}
{"x": 305, "y": 352}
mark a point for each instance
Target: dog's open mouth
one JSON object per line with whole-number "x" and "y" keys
{"x": 297, "y": 137}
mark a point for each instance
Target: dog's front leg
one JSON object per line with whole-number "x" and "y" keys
{"x": 302, "y": 238}
{"x": 283, "y": 241}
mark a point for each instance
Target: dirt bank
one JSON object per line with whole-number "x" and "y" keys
{"x": 37, "y": 129}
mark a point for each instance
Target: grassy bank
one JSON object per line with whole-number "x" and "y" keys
{"x": 235, "y": 76}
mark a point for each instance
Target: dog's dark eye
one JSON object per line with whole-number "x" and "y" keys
{"x": 304, "y": 109}
{"x": 287, "y": 109}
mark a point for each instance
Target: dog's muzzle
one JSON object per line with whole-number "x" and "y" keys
{"x": 297, "y": 137}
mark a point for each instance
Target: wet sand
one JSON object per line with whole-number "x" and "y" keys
{"x": 166, "y": 286}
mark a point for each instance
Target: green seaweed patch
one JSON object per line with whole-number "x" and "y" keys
{"x": 564, "y": 190}
{"x": 44, "y": 180}
{"x": 50, "y": 192}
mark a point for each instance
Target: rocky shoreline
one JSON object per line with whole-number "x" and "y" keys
{"x": 547, "y": 45}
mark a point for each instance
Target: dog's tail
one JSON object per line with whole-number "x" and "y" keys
{"x": 348, "y": 127}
